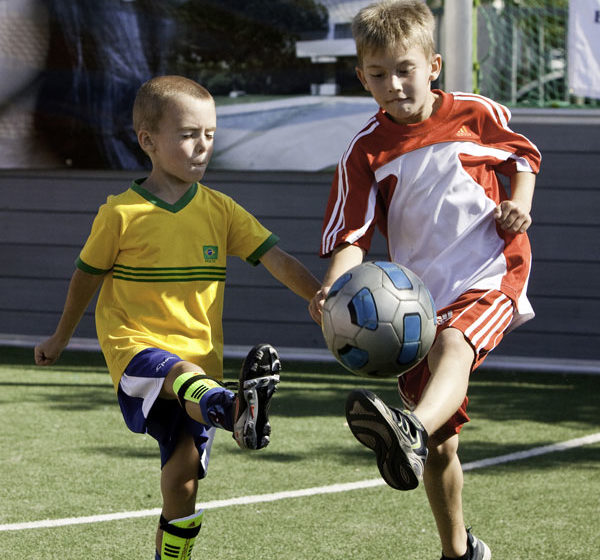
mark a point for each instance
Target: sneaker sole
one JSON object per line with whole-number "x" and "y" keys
{"x": 257, "y": 394}
{"x": 259, "y": 377}
{"x": 373, "y": 425}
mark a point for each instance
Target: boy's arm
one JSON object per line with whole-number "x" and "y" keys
{"x": 513, "y": 215}
{"x": 82, "y": 288}
{"x": 290, "y": 272}
{"x": 343, "y": 258}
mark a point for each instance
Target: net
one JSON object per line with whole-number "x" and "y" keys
{"x": 521, "y": 54}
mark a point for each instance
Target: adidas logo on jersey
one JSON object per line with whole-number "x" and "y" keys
{"x": 463, "y": 132}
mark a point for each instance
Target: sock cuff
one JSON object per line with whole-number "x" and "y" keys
{"x": 192, "y": 386}
{"x": 184, "y": 377}
{"x": 196, "y": 387}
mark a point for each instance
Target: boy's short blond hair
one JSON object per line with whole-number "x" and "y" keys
{"x": 394, "y": 23}
{"x": 155, "y": 94}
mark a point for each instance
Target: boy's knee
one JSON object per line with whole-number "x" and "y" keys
{"x": 452, "y": 340}
{"x": 179, "y": 476}
{"x": 452, "y": 354}
{"x": 168, "y": 391}
{"x": 180, "y": 487}
{"x": 442, "y": 452}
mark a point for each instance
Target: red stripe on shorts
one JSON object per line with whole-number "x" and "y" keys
{"x": 483, "y": 317}
{"x": 484, "y": 320}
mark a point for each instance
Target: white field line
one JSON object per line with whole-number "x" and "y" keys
{"x": 288, "y": 494}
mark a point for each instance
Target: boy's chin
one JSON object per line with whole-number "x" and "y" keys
{"x": 405, "y": 118}
{"x": 198, "y": 169}
{"x": 195, "y": 174}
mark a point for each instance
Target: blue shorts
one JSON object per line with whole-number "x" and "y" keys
{"x": 163, "y": 419}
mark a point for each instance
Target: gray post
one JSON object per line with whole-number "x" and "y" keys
{"x": 457, "y": 46}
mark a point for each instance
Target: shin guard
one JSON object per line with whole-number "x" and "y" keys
{"x": 215, "y": 401}
{"x": 179, "y": 536}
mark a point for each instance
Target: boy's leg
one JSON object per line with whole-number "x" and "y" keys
{"x": 203, "y": 399}
{"x": 207, "y": 401}
{"x": 179, "y": 486}
{"x": 475, "y": 324}
{"x": 450, "y": 361}
{"x": 399, "y": 437}
{"x": 443, "y": 480}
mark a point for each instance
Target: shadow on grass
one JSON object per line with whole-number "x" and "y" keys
{"x": 267, "y": 456}
{"x": 320, "y": 389}
{"x": 150, "y": 452}
{"x": 24, "y": 356}
{"x": 495, "y": 396}
{"x": 548, "y": 398}
{"x": 85, "y": 399}
{"x": 61, "y": 396}
{"x": 586, "y": 457}
{"x": 357, "y": 456}
{"x": 53, "y": 384}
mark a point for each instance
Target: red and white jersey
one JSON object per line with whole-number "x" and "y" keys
{"x": 431, "y": 188}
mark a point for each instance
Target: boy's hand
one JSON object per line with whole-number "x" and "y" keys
{"x": 512, "y": 217}
{"x": 48, "y": 351}
{"x": 344, "y": 257}
{"x": 315, "y": 306}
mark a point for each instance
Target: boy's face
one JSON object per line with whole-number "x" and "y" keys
{"x": 400, "y": 82}
{"x": 183, "y": 144}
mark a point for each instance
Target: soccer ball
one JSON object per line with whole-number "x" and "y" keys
{"x": 379, "y": 319}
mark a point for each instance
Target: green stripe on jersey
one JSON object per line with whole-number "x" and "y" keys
{"x": 169, "y": 274}
{"x": 87, "y": 268}
{"x": 267, "y": 244}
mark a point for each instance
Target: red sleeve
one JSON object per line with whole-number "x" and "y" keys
{"x": 494, "y": 131}
{"x": 353, "y": 207}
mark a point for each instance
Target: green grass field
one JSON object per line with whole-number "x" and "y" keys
{"x": 66, "y": 453}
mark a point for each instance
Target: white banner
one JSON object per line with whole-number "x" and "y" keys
{"x": 584, "y": 48}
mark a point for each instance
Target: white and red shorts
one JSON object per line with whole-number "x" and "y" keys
{"x": 483, "y": 317}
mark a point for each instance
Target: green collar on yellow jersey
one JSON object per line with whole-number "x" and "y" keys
{"x": 152, "y": 198}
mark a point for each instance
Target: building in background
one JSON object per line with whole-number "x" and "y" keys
{"x": 336, "y": 44}
{"x": 69, "y": 70}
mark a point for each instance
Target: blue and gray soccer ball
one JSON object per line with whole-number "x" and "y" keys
{"x": 379, "y": 319}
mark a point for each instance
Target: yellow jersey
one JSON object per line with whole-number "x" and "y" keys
{"x": 165, "y": 267}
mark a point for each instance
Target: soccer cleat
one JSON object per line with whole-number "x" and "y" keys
{"x": 397, "y": 438}
{"x": 477, "y": 549}
{"x": 258, "y": 381}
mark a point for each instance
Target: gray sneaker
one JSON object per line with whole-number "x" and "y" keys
{"x": 478, "y": 550}
{"x": 258, "y": 381}
{"x": 397, "y": 437}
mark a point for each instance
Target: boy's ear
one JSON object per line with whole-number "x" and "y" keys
{"x": 436, "y": 67}
{"x": 145, "y": 140}
{"x": 361, "y": 77}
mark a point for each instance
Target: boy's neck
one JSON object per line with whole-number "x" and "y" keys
{"x": 167, "y": 191}
{"x": 435, "y": 105}
{"x": 435, "y": 102}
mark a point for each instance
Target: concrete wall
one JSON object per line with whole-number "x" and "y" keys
{"x": 45, "y": 218}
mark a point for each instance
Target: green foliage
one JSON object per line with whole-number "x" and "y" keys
{"x": 248, "y": 45}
